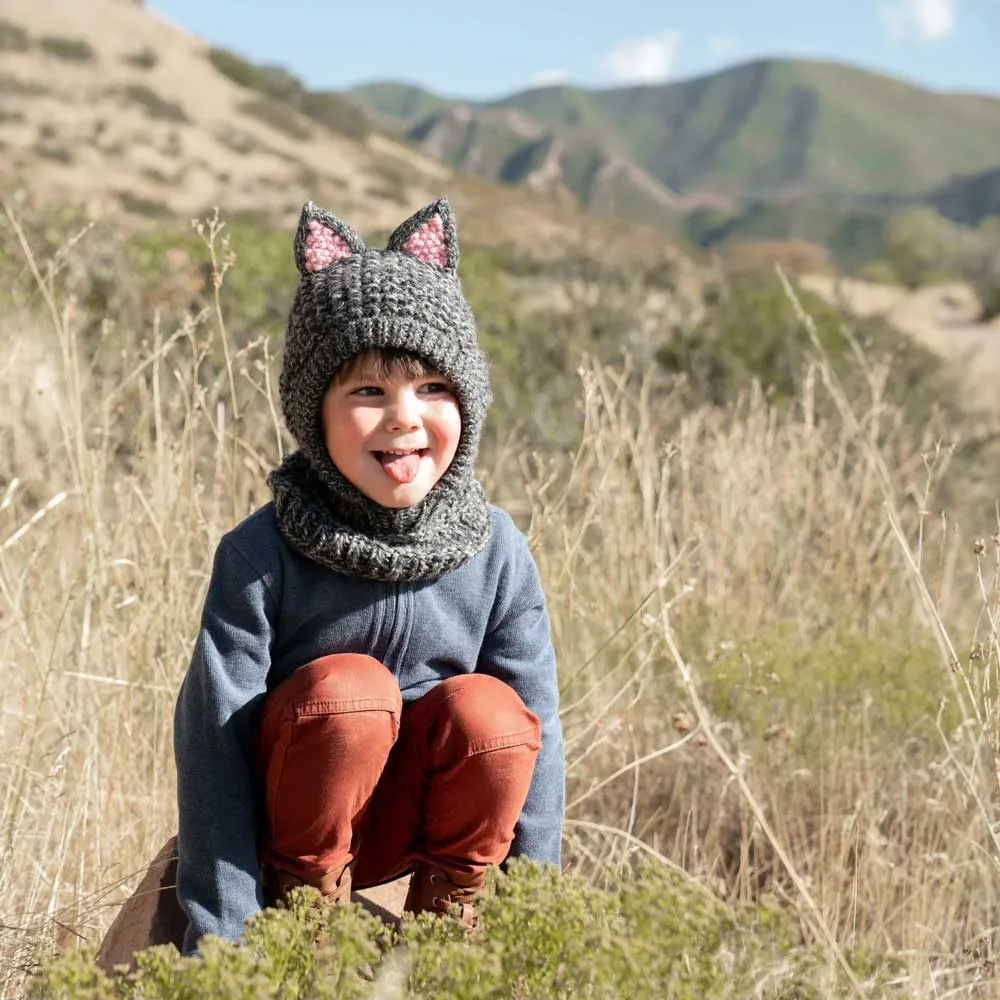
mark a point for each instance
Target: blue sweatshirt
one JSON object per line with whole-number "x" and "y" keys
{"x": 270, "y": 610}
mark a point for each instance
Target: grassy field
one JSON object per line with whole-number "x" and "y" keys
{"x": 778, "y": 663}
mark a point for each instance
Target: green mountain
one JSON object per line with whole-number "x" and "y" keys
{"x": 779, "y": 127}
{"x": 852, "y": 230}
{"x": 768, "y": 149}
{"x": 507, "y": 145}
{"x": 400, "y": 101}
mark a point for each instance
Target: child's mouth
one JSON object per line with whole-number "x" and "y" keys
{"x": 401, "y": 466}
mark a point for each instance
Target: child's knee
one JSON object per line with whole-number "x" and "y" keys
{"x": 339, "y": 685}
{"x": 351, "y": 680}
{"x": 489, "y": 713}
{"x": 325, "y": 735}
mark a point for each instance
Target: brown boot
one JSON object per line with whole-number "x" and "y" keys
{"x": 335, "y": 885}
{"x": 433, "y": 890}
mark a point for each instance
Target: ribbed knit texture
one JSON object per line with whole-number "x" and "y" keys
{"x": 365, "y": 299}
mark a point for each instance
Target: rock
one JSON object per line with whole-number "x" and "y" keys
{"x": 152, "y": 915}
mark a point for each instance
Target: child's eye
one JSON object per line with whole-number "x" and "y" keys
{"x": 367, "y": 391}
{"x": 436, "y": 388}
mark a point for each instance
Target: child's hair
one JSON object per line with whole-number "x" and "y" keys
{"x": 383, "y": 364}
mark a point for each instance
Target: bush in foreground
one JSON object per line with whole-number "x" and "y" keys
{"x": 653, "y": 934}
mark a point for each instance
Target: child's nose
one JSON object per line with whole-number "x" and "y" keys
{"x": 404, "y": 411}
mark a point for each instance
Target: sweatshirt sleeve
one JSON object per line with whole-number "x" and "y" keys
{"x": 518, "y": 650}
{"x": 218, "y": 880}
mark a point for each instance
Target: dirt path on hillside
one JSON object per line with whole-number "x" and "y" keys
{"x": 942, "y": 318}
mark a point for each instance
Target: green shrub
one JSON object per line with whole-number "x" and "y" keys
{"x": 283, "y": 90}
{"x": 922, "y": 246}
{"x": 841, "y": 683}
{"x": 278, "y": 116}
{"x": 241, "y": 143}
{"x": 651, "y": 934}
{"x": 160, "y": 177}
{"x": 754, "y": 333}
{"x": 139, "y": 205}
{"x": 54, "y": 152}
{"x": 70, "y": 49}
{"x": 981, "y": 265}
{"x": 144, "y": 58}
{"x": 50, "y": 145}
{"x": 13, "y": 38}
{"x": 991, "y": 303}
{"x": 154, "y": 105}
{"x": 880, "y": 271}
{"x": 335, "y": 112}
{"x": 173, "y": 144}
{"x": 272, "y": 81}
{"x": 22, "y": 88}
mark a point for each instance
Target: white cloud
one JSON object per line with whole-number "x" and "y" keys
{"x": 548, "y": 78}
{"x": 925, "y": 20}
{"x": 722, "y": 46}
{"x": 644, "y": 60}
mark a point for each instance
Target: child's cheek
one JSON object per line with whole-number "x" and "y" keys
{"x": 456, "y": 429}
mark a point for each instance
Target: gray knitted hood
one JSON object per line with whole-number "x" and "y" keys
{"x": 350, "y": 298}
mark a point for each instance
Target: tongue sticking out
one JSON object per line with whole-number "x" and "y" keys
{"x": 402, "y": 468}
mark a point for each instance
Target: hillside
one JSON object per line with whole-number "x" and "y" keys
{"x": 765, "y": 130}
{"x": 105, "y": 102}
{"x": 852, "y": 229}
{"x": 108, "y": 106}
{"x": 508, "y": 146}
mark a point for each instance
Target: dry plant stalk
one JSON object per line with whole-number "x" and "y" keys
{"x": 975, "y": 696}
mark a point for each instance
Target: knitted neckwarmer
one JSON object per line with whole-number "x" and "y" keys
{"x": 326, "y": 518}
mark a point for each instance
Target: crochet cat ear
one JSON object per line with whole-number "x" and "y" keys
{"x": 429, "y": 235}
{"x": 323, "y": 239}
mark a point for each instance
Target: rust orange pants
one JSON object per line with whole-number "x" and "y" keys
{"x": 350, "y": 774}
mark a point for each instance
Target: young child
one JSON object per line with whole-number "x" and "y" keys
{"x": 373, "y": 688}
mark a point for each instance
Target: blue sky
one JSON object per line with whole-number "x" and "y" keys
{"x": 486, "y": 48}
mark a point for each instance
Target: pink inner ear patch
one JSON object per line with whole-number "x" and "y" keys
{"x": 428, "y": 243}
{"x": 323, "y": 247}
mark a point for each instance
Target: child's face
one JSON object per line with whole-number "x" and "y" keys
{"x": 392, "y": 436}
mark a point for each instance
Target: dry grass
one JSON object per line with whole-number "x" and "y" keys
{"x": 670, "y": 542}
